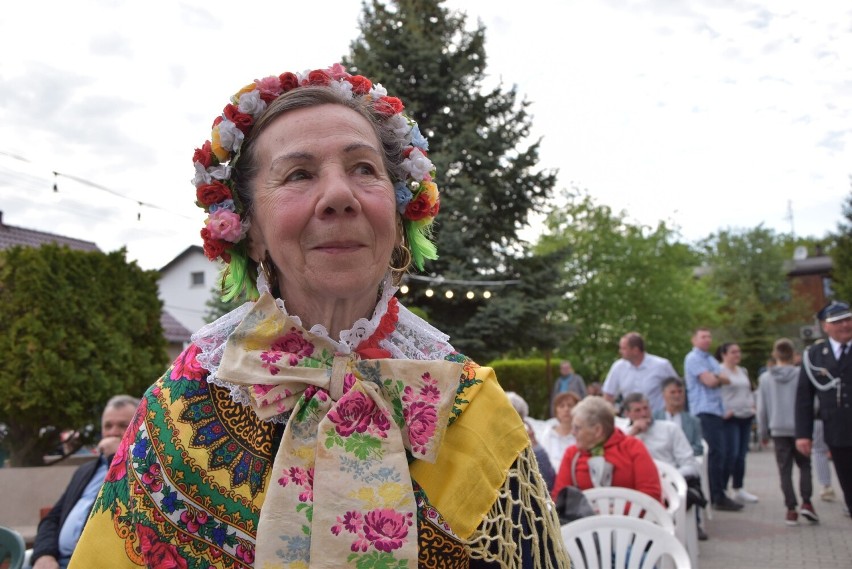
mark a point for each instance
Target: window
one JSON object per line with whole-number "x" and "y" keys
{"x": 196, "y": 279}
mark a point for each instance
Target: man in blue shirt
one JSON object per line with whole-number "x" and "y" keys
{"x": 704, "y": 377}
{"x": 60, "y": 530}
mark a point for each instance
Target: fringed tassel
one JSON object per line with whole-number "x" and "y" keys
{"x": 515, "y": 522}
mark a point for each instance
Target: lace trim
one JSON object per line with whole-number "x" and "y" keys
{"x": 514, "y": 524}
{"x": 413, "y": 338}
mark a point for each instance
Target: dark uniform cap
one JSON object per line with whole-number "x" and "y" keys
{"x": 836, "y": 310}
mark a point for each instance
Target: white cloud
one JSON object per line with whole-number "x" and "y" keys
{"x": 708, "y": 114}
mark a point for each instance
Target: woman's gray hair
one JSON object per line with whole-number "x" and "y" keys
{"x": 596, "y": 411}
{"x": 245, "y": 169}
{"x": 519, "y": 404}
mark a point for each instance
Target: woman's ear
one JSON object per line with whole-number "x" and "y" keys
{"x": 256, "y": 247}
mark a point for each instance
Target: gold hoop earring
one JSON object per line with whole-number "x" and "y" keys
{"x": 269, "y": 272}
{"x": 402, "y": 255}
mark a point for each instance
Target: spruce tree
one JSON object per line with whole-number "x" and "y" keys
{"x": 487, "y": 174}
{"x": 841, "y": 255}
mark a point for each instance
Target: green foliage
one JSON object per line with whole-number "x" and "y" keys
{"x": 529, "y": 379}
{"x": 841, "y": 254}
{"x": 426, "y": 55}
{"x": 620, "y": 277}
{"x": 748, "y": 277}
{"x": 75, "y": 329}
{"x": 216, "y": 307}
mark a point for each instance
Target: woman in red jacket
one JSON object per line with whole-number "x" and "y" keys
{"x": 605, "y": 456}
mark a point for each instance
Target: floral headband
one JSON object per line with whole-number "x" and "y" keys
{"x": 226, "y": 227}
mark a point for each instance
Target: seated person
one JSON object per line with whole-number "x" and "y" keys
{"x": 555, "y": 436}
{"x": 674, "y": 399}
{"x": 604, "y": 455}
{"x": 544, "y": 466}
{"x": 667, "y": 443}
{"x": 60, "y": 529}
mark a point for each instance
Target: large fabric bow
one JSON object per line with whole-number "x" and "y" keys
{"x": 340, "y": 493}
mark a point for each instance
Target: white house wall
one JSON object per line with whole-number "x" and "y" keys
{"x": 185, "y": 301}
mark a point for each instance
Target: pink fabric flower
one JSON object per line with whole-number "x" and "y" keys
{"x": 386, "y": 528}
{"x": 186, "y": 365}
{"x": 225, "y": 225}
{"x": 421, "y": 419}
{"x": 352, "y": 414}
{"x": 269, "y": 87}
{"x": 294, "y": 345}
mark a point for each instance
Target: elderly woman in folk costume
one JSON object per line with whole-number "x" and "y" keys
{"x": 321, "y": 424}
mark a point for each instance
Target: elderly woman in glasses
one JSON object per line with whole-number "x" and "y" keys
{"x": 603, "y": 455}
{"x": 321, "y": 424}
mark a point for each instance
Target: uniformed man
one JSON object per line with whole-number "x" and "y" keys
{"x": 827, "y": 374}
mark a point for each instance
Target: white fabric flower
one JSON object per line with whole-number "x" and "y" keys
{"x": 220, "y": 172}
{"x": 230, "y": 137}
{"x": 252, "y": 104}
{"x": 401, "y": 128}
{"x": 417, "y": 164}
{"x": 342, "y": 87}
{"x": 378, "y": 91}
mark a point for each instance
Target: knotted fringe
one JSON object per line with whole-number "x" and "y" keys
{"x": 513, "y": 520}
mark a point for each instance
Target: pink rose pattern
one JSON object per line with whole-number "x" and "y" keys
{"x": 384, "y": 529}
{"x": 303, "y": 477}
{"x": 293, "y": 345}
{"x": 186, "y": 365}
{"x": 357, "y": 413}
{"x": 419, "y": 410}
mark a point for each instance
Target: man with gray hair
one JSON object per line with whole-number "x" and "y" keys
{"x": 60, "y": 530}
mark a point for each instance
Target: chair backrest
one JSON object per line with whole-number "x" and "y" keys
{"x": 674, "y": 495}
{"x": 618, "y": 501}
{"x": 622, "y": 542}
{"x": 12, "y": 547}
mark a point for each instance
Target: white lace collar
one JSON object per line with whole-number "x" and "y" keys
{"x": 413, "y": 338}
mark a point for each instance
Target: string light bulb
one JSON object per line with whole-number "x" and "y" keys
{"x": 429, "y": 292}
{"x": 470, "y": 295}
{"x": 486, "y": 294}
{"x": 448, "y": 294}
{"x": 403, "y": 289}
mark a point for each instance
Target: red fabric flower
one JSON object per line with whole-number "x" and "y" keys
{"x": 318, "y": 77}
{"x": 118, "y": 469}
{"x": 418, "y": 208}
{"x": 242, "y": 120}
{"x": 214, "y": 248}
{"x": 360, "y": 84}
{"x": 211, "y": 193}
{"x": 156, "y": 553}
{"x": 205, "y": 155}
{"x": 289, "y": 81}
{"x": 186, "y": 365}
{"x": 217, "y": 120}
{"x": 433, "y": 211}
{"x": 388, "y": 106}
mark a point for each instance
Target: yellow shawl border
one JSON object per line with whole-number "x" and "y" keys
{"x": 485, "y": 450}
{"x": 105, "y": 538}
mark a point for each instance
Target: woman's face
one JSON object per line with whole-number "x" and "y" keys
{"x": 563, "y": 410}
{"x": 324, "y": 206}
{"x": 733, "y": 355}
{"x": 586, "y": 434}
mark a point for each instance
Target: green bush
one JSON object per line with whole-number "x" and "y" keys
{"x": 528, "y": 378}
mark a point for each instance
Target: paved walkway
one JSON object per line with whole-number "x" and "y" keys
{"x": 757, "y": 537}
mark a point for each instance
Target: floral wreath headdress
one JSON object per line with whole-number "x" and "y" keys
{"x": 227, "y": 224}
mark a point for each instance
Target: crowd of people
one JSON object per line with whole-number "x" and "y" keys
{"x": 648, "y": 413}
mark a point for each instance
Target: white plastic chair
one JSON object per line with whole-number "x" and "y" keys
{"x": 705, "y": 477}
{"x": 674, "y": 494}
{"x": 621, "y": 542}
{"x": 618, "y": 501}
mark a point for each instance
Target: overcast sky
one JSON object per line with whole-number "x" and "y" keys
{"x": 707, "y": 114}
